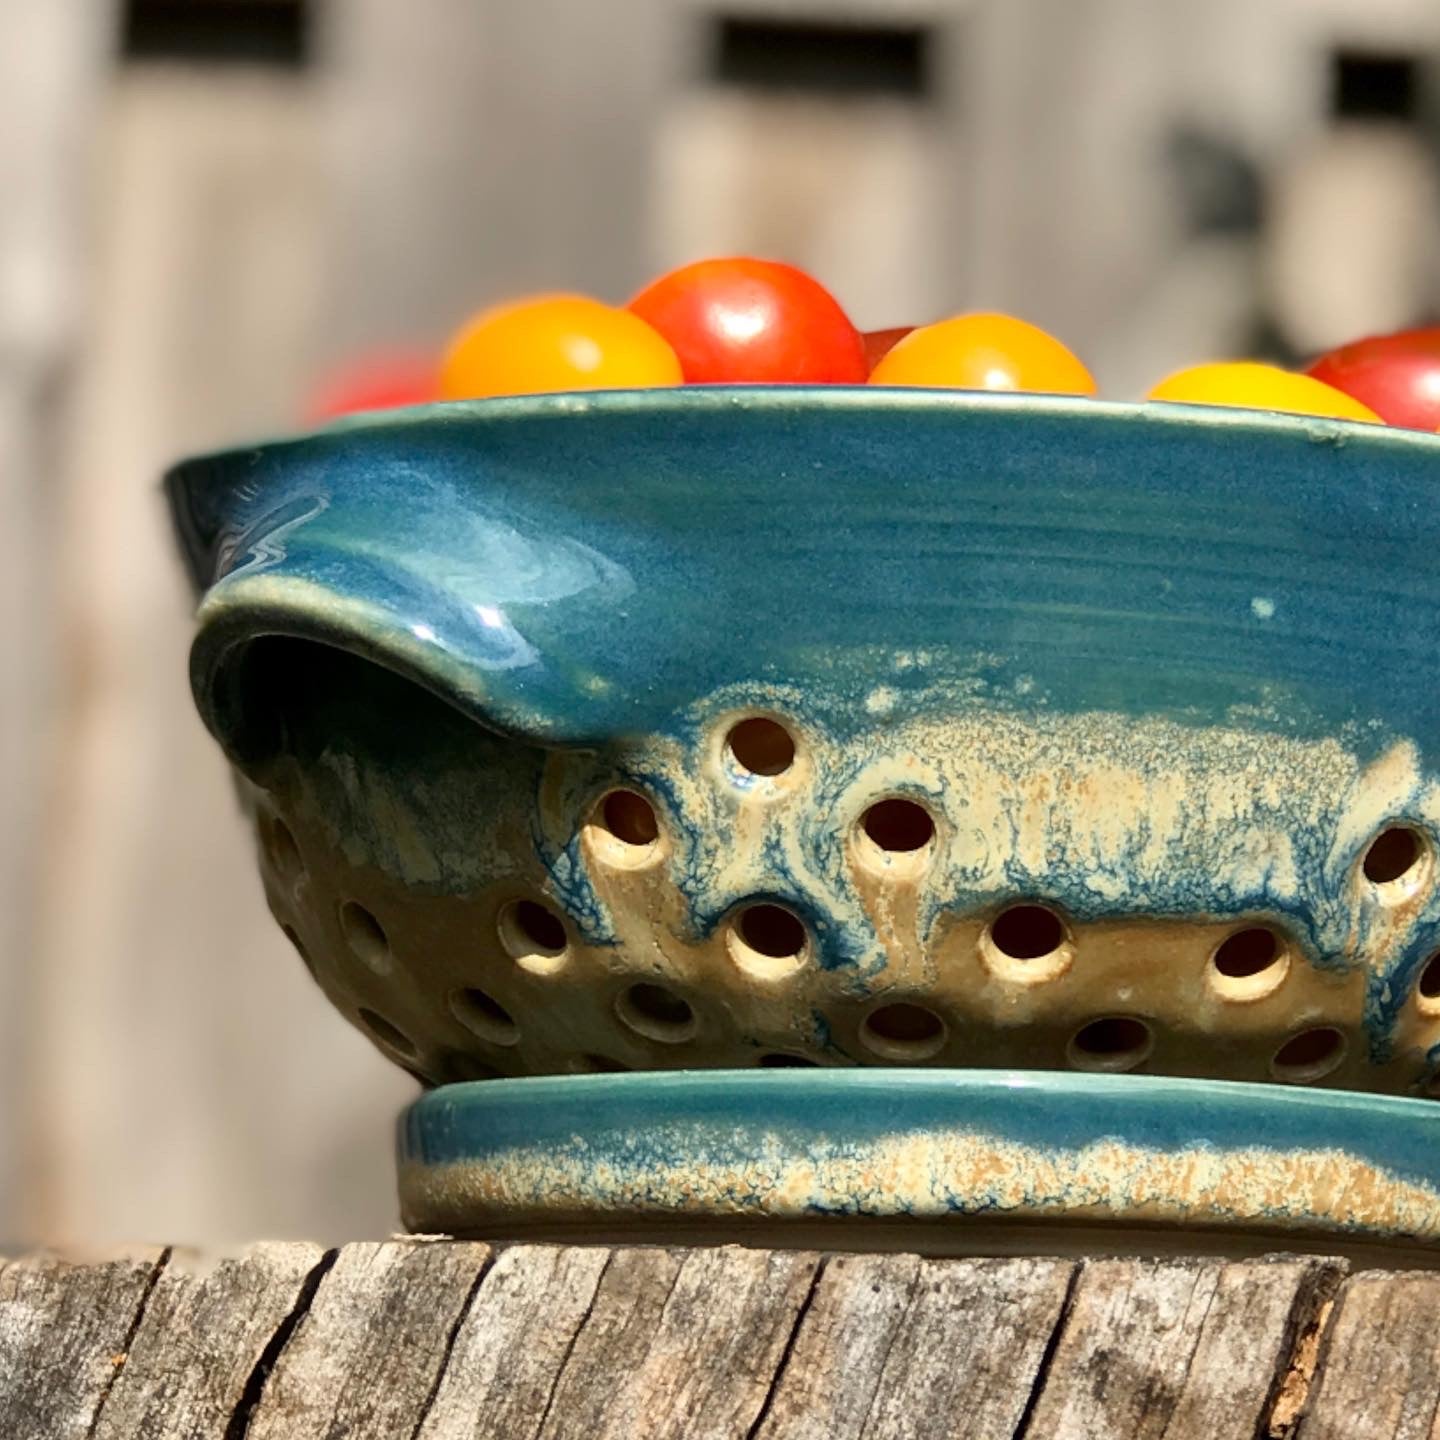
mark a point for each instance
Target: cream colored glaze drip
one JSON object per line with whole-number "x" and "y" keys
{"x": 932, "y": 1174}
{"x": 1126, "y": 804}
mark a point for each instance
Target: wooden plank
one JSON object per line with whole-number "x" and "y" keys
{"x": 678, "y": 1344}
{"x": 365, "y": 1359}
{"x": 675, "y": 1344}
{"x": 1379, "y": 1371}
{"x": 840, "y": 1352}
{"x": 721, "y": 1340}
{"x": 513, "y": 1343}
{"x": 615, "y": 1336}
{"x": 417, "y": 1338}
{"x": 966, "y": 1353}
{"x": 1125, "y": 1348}
{"x": 1175, "y": 1348}
{"x": 203, "y": 1342}
{"x": 1255, "y": 1345}
{"x": 681, "y": 1347}
{"x": 65, "y": 1329}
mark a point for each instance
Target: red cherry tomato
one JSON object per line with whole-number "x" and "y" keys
{"x": 879, "y": 343}
{"x": 753, "y": 321}
{"x": 1397, "y": 376}
{"x": 381, "y": 381}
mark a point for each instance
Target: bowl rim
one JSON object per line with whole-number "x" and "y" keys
{"x": 681, "y": 400}
{"x": 1276, "y": 464}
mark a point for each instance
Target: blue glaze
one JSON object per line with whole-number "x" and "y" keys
{"x": 648, "y": 1129}
{"x": 1042, "y": 1109}
{"x": 1050, "y": 553}
{"x": 599, "y": 581}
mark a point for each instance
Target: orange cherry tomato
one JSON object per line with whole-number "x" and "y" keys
{"x": 379, "y": 381}
{"x": 1248, "y": 385}
{"x": 879, "y": 343}
{"x": 555, "y": 342}
{"x": 742, "y": 321}
{"x": 984, "y": 352}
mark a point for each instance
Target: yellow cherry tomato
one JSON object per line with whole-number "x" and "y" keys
{"x": 1248, "y": 385}
{"x": 984, "y": 352}
{"x": 555, "y": 342}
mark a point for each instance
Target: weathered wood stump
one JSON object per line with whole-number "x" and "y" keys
{"x": 440, "y": 1339}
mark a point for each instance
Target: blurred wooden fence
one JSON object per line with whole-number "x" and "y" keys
{"x": 51, "y": 57}
{"x": 181, "y": 246}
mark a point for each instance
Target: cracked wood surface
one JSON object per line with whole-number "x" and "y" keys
{"x": 420, "y": 1339}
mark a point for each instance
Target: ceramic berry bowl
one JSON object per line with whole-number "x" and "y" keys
{"x": 848, "y": 807}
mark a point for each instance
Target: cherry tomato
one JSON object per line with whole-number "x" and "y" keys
{"x": 555, "y": 342}
{"x": 380, "y": 381}
{"x": 753, "y": 321}
{"x": 1397, "y": 376}
{"x": 984, "y": 352}
{"x": 1250, "y": 386}
{"x": 879, "y": 343}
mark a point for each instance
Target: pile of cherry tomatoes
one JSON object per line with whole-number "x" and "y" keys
{"x": 746, "y": 321}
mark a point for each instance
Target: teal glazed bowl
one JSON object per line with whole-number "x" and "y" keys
{"x": 964, "y": 750}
